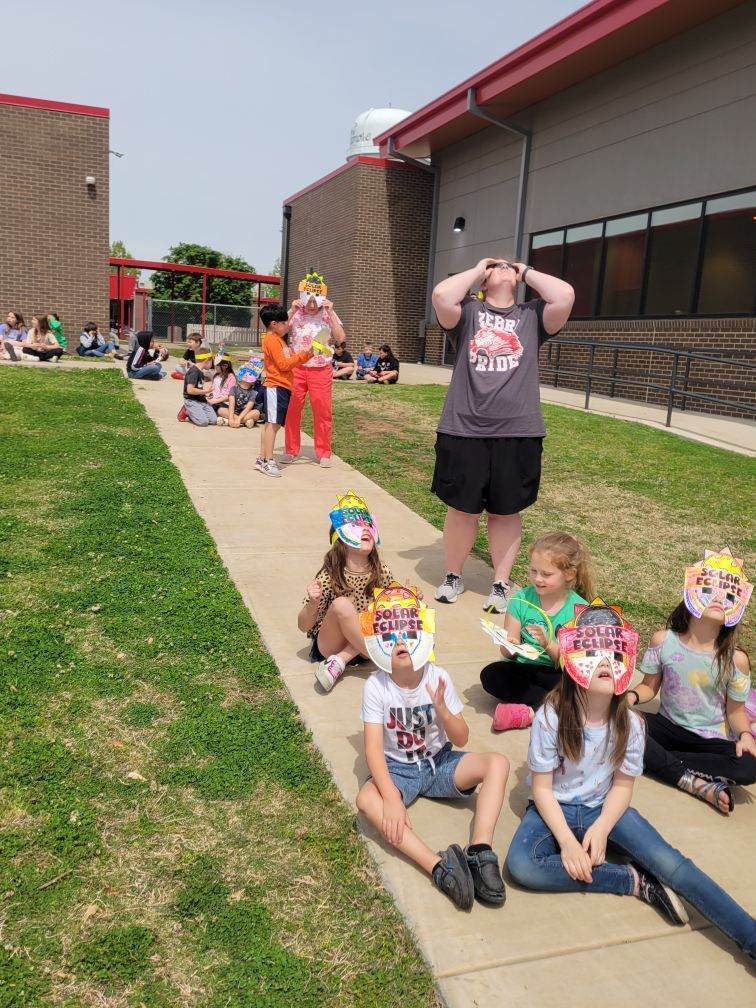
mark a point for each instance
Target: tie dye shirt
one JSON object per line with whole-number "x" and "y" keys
{"x": 689, "y": 694}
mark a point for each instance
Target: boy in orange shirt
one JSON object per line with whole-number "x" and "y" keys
{"x": 279, "y": 361}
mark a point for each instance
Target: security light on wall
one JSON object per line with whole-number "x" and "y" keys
{"x": 90, "y": 181}
{"x": 459, "y": 225}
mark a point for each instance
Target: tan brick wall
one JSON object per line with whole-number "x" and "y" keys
{"x": 368, "y": 230}
{"x": 734, "y": 338}
{"x": 54, "y": 239}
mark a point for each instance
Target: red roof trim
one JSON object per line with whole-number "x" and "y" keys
{"x": 566, "y": 38}
{"x": 359, "y": 159}
{"x": 55, "y": 106}
{"x": 168, "y": 267}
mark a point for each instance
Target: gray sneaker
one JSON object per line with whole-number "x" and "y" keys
{"x": 270, "y": 468}
{"x": 498, "y": 600}
{"x": 450, "y": 588}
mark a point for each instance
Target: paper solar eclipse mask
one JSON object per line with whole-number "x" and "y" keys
{"x": 718, "y": 579}
{"x": 313, "y": 285}
{"x": 598, "y": 633}
{"x": 350, "y": 518}
{"x": 396, "y": 615}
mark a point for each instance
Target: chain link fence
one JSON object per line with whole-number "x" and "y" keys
{"x": 173, "y": 321}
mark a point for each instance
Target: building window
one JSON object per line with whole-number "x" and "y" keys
{"x": 728, "y": 274}
{"x": 581, "y": 265}
{"x": 672, "y": 259}
{"x": 624, "y": 252}
{"x": 695, "y": 258}
{"x": 546, "y": 252}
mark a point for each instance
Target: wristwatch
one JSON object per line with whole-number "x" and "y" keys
{"x": 524, "y": 274}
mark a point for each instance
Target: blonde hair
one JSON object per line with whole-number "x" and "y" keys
{"x": 567, "y": 553}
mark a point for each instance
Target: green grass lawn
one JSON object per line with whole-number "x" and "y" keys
{"x": 168, "y": 833}
{"x": 645, "y": 502}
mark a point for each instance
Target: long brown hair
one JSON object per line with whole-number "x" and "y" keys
{"x": 570, "y": 706}
{"x": 566, "y": 553}
{"x": 335, "y": 562}
{"x": 726, "y": 643}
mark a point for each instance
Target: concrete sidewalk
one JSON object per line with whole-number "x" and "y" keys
{"x": 272, "y": 534}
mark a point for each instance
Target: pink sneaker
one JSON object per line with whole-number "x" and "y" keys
{"x": 512, "y": 715}
{"x": 329, "y": 671}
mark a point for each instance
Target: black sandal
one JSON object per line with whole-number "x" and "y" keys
{"x": 712, "y": 788}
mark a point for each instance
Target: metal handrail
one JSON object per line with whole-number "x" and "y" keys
{"x": 612, "y": 375}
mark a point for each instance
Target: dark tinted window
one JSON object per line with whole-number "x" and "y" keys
{"x": 625, "y": 245}
{"x": 581, "y": 265}
{"x": 728, "y": 276}
{"x": 673, "y": 256}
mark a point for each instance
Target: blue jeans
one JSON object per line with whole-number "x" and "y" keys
{"x": 534, "y": 862}
{"x": 95, "y": 351}
{"x": 152, "y": 371}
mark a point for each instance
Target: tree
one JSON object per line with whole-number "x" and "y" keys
{"x": 273, "y": 290}
{"x": 119, "y": 251}
{"x": 187, "y": 287}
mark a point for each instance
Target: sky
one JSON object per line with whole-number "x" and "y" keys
{"x": 224, "y": 108}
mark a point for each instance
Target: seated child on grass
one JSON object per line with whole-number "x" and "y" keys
{"x": 412, "y": 718}
{"x": 343, "y": 588}
{"x": 586, "y": 749}
{"x": 222, "y": 382}
{"x": 196, "y": 408}
{"x": 559, "y": 580}
{"x": 701, "y": 740}
{"x": 245, "y": 406}
{"x": 366, "y": 360}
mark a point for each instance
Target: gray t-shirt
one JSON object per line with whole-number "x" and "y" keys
{"x": 494, "y": 390}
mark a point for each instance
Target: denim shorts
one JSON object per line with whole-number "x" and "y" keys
{"x": 432, "y": 777}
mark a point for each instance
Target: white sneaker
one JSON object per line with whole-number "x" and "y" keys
{"x": 259, "y": 463}
{"x": 287, "y": 459}
{"x": 450, "y": 588}
{"x": 270, "y": 468}
{"x": 498, "y": 600}
{"x": 325, "y": 462}
{"x": 329, "y": 671}
{"x": 221, "y": 422}
{"x": 249, "y": 423}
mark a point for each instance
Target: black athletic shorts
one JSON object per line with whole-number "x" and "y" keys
{"x": 498, "y": 475}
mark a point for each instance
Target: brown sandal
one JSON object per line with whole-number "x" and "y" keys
{"x": 708, "y": 791}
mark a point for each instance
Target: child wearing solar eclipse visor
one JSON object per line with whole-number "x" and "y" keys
{"x": 701, "y": 740}
{"x": 342, "y": 589}
{"x": 586, "y": 749}
{"x": 412, "y": 718}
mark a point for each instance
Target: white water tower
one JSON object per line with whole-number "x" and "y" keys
{"x": 371, "y": 124}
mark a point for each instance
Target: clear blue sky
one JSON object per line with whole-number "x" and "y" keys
{"x": 223, "y": 108}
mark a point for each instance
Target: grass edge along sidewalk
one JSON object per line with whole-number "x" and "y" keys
{"x": 168, "y": 833}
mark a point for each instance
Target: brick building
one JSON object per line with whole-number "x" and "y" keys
{"x": 616, "y": 149}
{"x": 366, "y": 228}
{"x": 54, "y": 243}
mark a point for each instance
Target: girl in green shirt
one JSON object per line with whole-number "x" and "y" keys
{"x": 559, "y": 580}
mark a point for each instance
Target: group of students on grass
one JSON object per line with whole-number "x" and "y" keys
{"x": 303, "y": 352}
{"x": 568, "y": 659}
{"x": 44, "y": 339}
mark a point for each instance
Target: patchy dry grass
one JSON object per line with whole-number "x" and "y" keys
{"x": 168, "y": 834}
{"x": 645, "y": 502}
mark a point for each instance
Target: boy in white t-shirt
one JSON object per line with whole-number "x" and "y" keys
{"x": 412, "y": 716}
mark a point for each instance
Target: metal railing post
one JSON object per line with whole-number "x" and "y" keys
{"x": 591, "y": 357}
{"x": 671, "y": 398}
{"x": 614, "y": 372}
{"x": 685, "y": 383}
